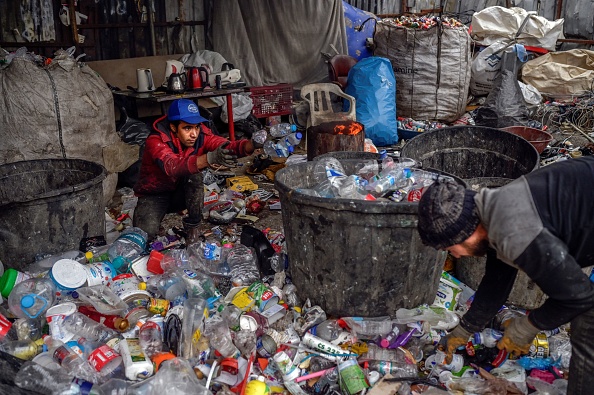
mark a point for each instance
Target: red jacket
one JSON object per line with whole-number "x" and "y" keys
{"x": 165, "y": 161}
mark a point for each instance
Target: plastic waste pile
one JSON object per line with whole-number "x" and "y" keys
{"x": 284, "y": 137}
{"x": 392, "y": 179}
{"x": 221, "y": 316}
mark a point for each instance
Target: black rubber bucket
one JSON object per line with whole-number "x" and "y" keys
{"x": 355, "y": 257}
{"x": 47, "y": 206}
{"x": 484, "y": 158}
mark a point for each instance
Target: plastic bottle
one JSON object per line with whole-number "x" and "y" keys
{"x": 369, "y": 328}
{"x": 383, "y": 354}
{"x": 102, "y": 357}
{"x": 277, "y": 150}
{"x": 327, "y": 167}
{"x": 242, "y": 262}
{"x": 32, "y": 298}
{"x": 292, "y": 139}
{"x": 171, "y": 286}
{"x": 260, "y": 136}
{"x": 488, "y": 337}
{"x": 150, "y": 338}
{"x": 194, "y": 312}
{"x": 396, "y": 369}
{"x": 10, "y": 278}
{"x": 83, "y": 326}
{"x": 75, "y": 364}
{"x": 217, "y": 331}
{"x": 290, "y": 295}
{"x": 23, "y": 349}
{"x": 397, "y": 178}
{"x": 329, "y": 330}
{"x": 34, "y": 377}
{"x": 282, "y": 129}
{"x": 128, "y": 246}
{"x": 8, "y": 330}
{"x": 198, "y": 284}
{"x": 137, "y": 365}
{"x": 111, "y": 321}
{"x": 390, "y": 338}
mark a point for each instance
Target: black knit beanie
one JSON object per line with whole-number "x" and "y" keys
{"x": 447, "y": 215}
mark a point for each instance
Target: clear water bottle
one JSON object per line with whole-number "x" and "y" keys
{"x": 83, "y": 326}
{"x": 242, "y": 261}
{"x": 292, "y": 139}
{"x": 34, "y": 377}
{"x": 150, "y": 338}
{"x": 260, "y": 136}
{"x": 32, "y": 298}
{"x": 326, "y": 168}
{"x": 198, "y": 284}
{"x": 369, "y": 328}
{"x": 397, "y": 178}
{"x": 353, "y": 187}
{"x": 217, "y": 331}
{"x": 128, "y": 246}
{"x": 394, "y": 368}
{"x": 23, "y": 349}
{"x": 383, "y": 354}
{"x": 194, "y": 313}
{"x": 277, "y": 150}
{"x": 282, "y": 129}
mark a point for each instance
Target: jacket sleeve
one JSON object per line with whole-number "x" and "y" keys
{"x": 172, "y": 164}
{"x": 212, "y": 142}
{"x": 491, "y": 294}
{"x": 570, "y": 292}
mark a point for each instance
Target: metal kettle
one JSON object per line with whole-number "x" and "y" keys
{"x": 176, "y": 83}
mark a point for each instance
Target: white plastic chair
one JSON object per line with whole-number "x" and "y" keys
{"x": 320, "y": 104}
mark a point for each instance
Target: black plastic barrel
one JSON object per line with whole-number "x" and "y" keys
{"x": 355, "y": 257}
{"x": 474, "y": 152}
{"x": 47, "y": 206}
{"x": 484, "y": 158}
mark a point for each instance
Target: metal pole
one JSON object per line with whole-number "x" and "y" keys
{"x": 152, "y": 27}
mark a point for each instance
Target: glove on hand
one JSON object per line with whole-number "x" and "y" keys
{"x": 222, "y": 156}
{"x": 456, "y": 338}
{"x": 518, "y": 335}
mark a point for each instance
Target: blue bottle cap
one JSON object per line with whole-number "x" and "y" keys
{"x": 27, "y": 301}
{"x": 293, "y": 128}
{"x": 299, "y": 135}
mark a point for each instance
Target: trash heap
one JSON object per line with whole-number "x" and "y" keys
{"x": 221, "y": 316}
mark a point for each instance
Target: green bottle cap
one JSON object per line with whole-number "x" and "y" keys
{"x": 7, "y": 281}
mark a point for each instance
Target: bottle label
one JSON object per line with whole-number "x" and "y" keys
{"x": 5, "y": 325}
{"x": 135, "y": 238}
{"x": 212, "y": 251}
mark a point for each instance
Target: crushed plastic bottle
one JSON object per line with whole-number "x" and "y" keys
{"x": 282, "y": 129}
{"x": 128, "y": 246}
{"x": 243, "y": 267}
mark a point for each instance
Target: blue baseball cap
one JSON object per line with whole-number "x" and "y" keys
{"x": 185, "y": 110}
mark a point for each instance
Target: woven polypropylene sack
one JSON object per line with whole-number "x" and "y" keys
{"x": 432, "y": 69}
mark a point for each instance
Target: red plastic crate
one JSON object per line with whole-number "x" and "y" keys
{"x": 272, "y": 100}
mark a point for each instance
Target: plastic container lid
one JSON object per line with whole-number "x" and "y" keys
{"x": 64, "y": 309}
{"x": 68, "y": 274}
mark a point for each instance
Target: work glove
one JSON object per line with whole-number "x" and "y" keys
{"x": 518, "y": 336}
{"x": 222, "y": 156}
{"x": 456, "y": 338}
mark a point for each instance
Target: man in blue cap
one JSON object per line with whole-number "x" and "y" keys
{"x": 177, "y": 150}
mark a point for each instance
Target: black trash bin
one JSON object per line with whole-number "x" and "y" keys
{"x": 47, "y": 206}
{"x": 483, "y": 157}
{"x": 355, "y": 257}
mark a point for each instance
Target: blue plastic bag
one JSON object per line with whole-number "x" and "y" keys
{"x": 373, "y": 85}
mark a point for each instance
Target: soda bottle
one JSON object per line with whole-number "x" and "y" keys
{"x": 74, "y": 364}
{"x": 282, "y": 129}
{"x": 83, "y": 326}
{"x": 128, "y": 246}
{"x": 111, "y": 321}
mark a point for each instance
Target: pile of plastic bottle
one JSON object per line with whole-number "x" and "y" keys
{"x": 418, "y": 126}
{"x": 393, "y": 179}
{"x": 424, "y": 22}
{"x": 221, "y": 316}
{"x": 284, "y": 139}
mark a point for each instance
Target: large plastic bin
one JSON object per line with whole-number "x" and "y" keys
{"x": 48, "y": 206}
{"x": 483, "y": 157}
{"x": 355, "y": 257}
